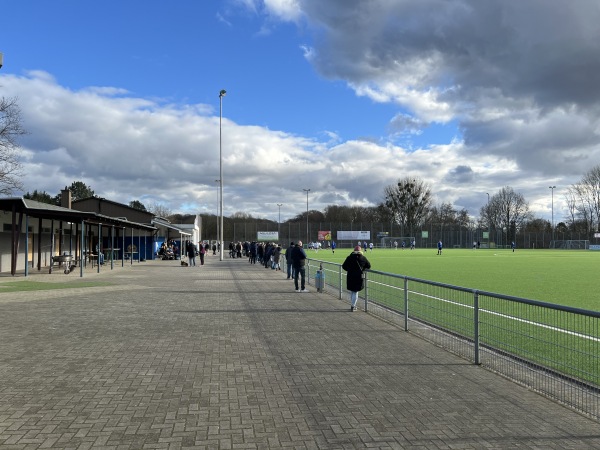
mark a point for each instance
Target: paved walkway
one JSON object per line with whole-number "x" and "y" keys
{"x": 228, "y": 356}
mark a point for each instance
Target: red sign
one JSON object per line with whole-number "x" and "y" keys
{"x": 324, "y": 236}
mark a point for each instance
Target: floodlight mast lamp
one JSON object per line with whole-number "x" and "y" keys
{"x": 221, "y": 243}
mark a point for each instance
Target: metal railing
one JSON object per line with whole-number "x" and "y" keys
{"x": 552, "y": 349}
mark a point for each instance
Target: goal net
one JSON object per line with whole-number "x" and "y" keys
{"x": 396, "y": 242}
{"x": 574, "y": 244}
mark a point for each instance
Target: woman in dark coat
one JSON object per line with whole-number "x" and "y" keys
{"x": 355, "y": 264}
{"x": 191, "y": 253}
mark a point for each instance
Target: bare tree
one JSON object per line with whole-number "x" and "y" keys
{"x": 240, "y": 215}
{"x": 591, "y": 181}
{"x": 408, "y": 201}
{"x": 159, "y": 210}
{"x": 583, "y": 202}
{"x": 10, "y": 129}
{"x": 571, "y": 199}
{"x": 579, "y": 208}
{"x": 441, "y": 216}
{"x": 507, "y": 211}
{"x": 354, "y": 214}
{"x": 338, "y": 213}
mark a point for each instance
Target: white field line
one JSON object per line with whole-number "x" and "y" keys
{"x": 506, "y": 316}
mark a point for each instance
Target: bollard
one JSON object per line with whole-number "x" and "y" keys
{"x": 320, "y": 279}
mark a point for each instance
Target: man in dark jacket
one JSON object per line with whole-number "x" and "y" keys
{"x": 288, "y": 260}
{"x": 299, "y": 264}
{"x": 355, "y": 264}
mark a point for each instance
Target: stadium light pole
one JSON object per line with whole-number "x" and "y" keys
{"x": 552, "y": 189}
{"x": 221, "y": 243}
{"x": 279, "y": 221}
{"x": 217, "y": 181}
{"x": 307, "y": 233}
{"x": 488, "y": 218}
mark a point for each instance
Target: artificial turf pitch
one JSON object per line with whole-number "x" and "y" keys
{"x": 565, "y": 277}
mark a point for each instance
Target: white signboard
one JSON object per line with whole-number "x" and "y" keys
{"x": 270, "y": 236}
{"x": 353, "y": 235}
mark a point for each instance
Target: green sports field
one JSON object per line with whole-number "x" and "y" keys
{"x": 566, "y": 277}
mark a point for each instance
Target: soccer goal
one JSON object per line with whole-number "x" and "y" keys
{"x": 571, "y": 244}
{"x": 388, "y": 242}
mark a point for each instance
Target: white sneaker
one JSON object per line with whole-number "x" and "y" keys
{"x": 297, "y": 290}
{"x": 304, "y": 290}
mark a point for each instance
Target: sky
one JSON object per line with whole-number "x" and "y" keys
{"x": 342, "y": 97}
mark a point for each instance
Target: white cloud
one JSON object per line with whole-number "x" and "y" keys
{"x": 287, "y": 10}
{"x": 518, "y": 78}
{"x": 128, "y": 148}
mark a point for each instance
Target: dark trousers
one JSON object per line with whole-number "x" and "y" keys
{"x": 300, "y": 271}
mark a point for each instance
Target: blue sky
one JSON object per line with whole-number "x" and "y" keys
{"x": 343, "y": 97}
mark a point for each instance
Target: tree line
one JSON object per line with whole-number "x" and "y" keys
{"x": 408, "y": 204}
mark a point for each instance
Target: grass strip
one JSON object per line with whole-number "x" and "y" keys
{"x": 24, "y": 286}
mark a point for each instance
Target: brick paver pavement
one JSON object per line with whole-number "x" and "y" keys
{"x": 228, "y": 356}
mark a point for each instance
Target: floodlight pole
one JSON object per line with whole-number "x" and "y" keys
{"x": 489, "y": 220}
{"x": 218, "y": 215}
{"x": 279, "y": 221}
{"x": 221, "y": 243}
{"x": 552, "y": 189}
{"x": 307, "y": 233}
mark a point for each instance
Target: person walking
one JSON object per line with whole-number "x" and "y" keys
{"x": 276, "y": 257}
{"x": 440, "y": 246}
{"x": 202, "y": 253}
{"x": 253, "y": 252}
{"x": 288, "y": 261}
{"x": 299, "y": 263}
{"x": 191, "y": 253}
{"x": 355, "y": 264}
